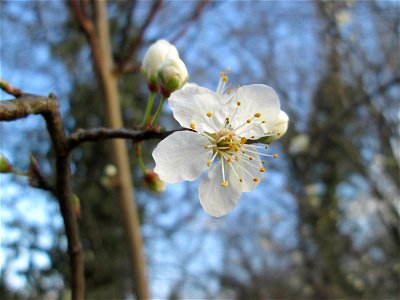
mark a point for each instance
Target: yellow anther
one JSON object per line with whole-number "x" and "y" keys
{"x": 257, "y": 115}
{"x": 240, "y": 179}
{"x": 255, "y": 179}
{"x": 192, "y": 125}
{"x": 248, "y": 121}
{"x": 236, "y": 158}
{"x": 244, "y": 140}
{"x": 275, "y": 155}
{"x": 225, "y": 184}
{"x": 236, "y": 149}
{"x": 227, "y": 120}
{"x": 238, "y": 103}
{"x": 229, "y": 159}
{"x": 209, "y": 163}
{"x": 209, "y": 114}
{"x": 225, "y": 78}
{"x": 262, "y": 170}
{"x": 266, "y": 146}
{"x": 230, "y": 145}
{"x": 222, "y": 74}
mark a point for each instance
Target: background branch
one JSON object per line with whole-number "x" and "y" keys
{"x": 124, "y": 64}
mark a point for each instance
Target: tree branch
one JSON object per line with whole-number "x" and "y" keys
{"x": 123, "y": 65}
{"x": 99, "y": 134}
{"x": 47, "y": 107}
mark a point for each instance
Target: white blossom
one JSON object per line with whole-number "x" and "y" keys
{"x": 224, "y": 124}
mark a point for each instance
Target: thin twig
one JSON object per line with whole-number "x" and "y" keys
{"x": 99, "y": 134}
{"x": 124, "y": 64}
{"x": 9, "y": 89}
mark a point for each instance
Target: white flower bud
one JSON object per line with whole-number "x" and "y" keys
{"x": 172, "y": 75}
{"x": 154, "y": 58}
{"x": 281, "y": 125}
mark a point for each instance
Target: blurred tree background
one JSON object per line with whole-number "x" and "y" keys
{"x": 325, "y": 222}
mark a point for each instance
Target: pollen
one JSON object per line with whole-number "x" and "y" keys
{"x": 257, "y": 115}
{"x": 248, "y": 121}
{"x": 238, "y": 103}
{"x": 225, "y": 184}
{"x": 209, "y": 163}
{"x": 255, "y": 179}
{"x": 262, "y": 170}
{"x": 244, "y": 140}
{"x": 229, "y": 159}
{"x": 192, "y": 125}
{"x": 209, "y": 114}
{"x": 275, "y": 155}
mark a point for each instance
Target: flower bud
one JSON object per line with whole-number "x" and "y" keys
{"x": 172, "y": 75}
{"x": 5, "y": 165}
{"x": 281, "y": 125}
{"x": 278, "y": 129}
{"x": 153, "y": 59}
{"x": 153, "y": 182}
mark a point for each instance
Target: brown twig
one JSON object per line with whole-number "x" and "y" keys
{"x": 48, "y": 107}
{"x": 99, "y": 134}
{"x": 124, "y": 64}
{"x": 84, "y": 22}
{"x": 9, "y": 89}
{"x": 37, "y": 179}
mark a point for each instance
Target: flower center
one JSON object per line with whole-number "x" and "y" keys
{"x": 228, "y": 144}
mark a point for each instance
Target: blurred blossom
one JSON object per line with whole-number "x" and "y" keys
{"x": 299, "y": 144}
{"x": 342, "y": 17}
{"x": 152, "y": 181}
{"x": 297, "y": 257}
{"x": 222, "y": 122}
{"x": 110, "y": 170}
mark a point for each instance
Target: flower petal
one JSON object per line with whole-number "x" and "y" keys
{"x": 255, "y": 99}
{"x": 181, "y": 156}
{"x": 216, "y": 199}
{"x": 192, "y": 103}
